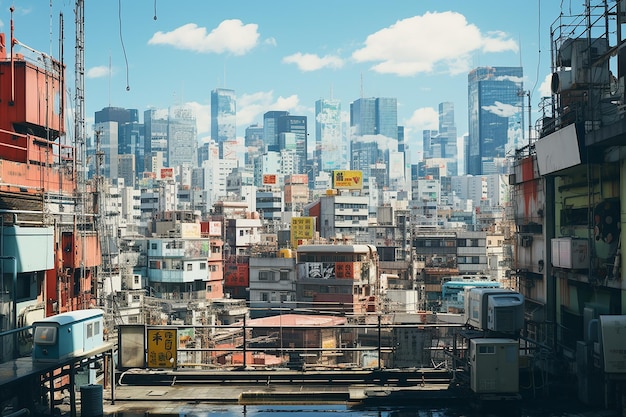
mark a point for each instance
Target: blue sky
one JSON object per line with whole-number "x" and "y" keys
{"x": 284, "y": 55}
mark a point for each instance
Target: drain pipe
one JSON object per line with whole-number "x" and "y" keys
{"x": 14, "y": 312}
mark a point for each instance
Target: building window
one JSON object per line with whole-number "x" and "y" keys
{"x": 189, "y": 267}
{"x": 266, "y": 275}
{"x": 284, "y": 275}
{"x": 265, "y": 296}
{"x": 202, "y": 266}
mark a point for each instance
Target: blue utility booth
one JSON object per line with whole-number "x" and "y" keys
{"x": 67, "y": 335}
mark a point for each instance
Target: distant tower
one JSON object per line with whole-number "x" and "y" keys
{"x": 328, "y": 135}
{"x": 374, "y": 132}
{"x": 223, "y": 115}
{"x": 270, "y": 128}
{"x": 495, "y": 116}
{"x": 155, "y": 140}
{"x": 182, "y": 135}
{"x": 130, "y": 133}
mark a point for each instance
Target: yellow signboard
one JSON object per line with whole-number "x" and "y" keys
{"x": 301, "y": 228}
{"x": 162, "y": 345}
{"x": 348, "y": 180}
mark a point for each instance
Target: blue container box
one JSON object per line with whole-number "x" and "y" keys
{"x": 66, "y": 335}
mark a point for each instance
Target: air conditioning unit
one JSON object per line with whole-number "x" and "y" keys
{"x": 526, "y": 241}
{"x": 570, "y": 253}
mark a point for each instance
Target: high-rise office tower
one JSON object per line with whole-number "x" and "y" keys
{"x": 155, "y": 141}
{"x": 447, "y": 130}
{"x": 254, "y": 143}
{"x": 298, "y": 126}
{"x": 104, "y": 158}
{"x": 495, "y": 119}
{"x": 328, "y": 136}
{"x": 223, "y": 115}
{"x": 427, "y": 143}
{"x": 373, "y": 120}
{"x": 130, "y": 134}
{"x": 277, "y": 122}
{"x": 182, "y": 142}
{"x": 270, "y": 128}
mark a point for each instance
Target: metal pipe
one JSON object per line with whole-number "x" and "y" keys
{"x": 12, "y": 9}
{"x": 19, "y": 413}
{"x": 14, "y": 295}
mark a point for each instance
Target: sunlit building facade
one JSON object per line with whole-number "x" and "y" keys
{"x": 495, "y": 106}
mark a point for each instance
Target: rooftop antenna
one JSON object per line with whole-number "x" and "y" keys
{"x": 362, "y": 85}
{"x": 110, "y": 72}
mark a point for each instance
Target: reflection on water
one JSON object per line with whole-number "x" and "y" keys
{"x": 553, "y": 409}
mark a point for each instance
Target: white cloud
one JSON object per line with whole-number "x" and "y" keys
{"x": 203, "y": 116}
{"x": 502, "y": 109}
{"x": 383, "y": 142}
{"x": 426, "y": 118}
{"x": 98, "y": 72}
{"x": 441, "y": 42}
{"x": 545, "y": 89}
{"x": 312, "y": 62}
{"x": 231, "y": 36}
{"x": 251, "y": 107}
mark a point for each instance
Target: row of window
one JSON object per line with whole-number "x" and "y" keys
{"x": 450, "y": 243}
{"x": 178, "y": 265}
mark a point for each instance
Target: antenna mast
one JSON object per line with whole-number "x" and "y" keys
{"x": 79, "y": 127}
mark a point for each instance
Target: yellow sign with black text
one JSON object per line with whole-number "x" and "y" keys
{"x": 348, "y": 180}
{"x": 162, "y": 345}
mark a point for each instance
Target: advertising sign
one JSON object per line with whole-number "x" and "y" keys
{"x": 348, "y": 180}
{"x": 269, "y": 179}
{"x": 301, "y": 228}
{"x": 162, "y": 347}
{"x": 167, "y": 173}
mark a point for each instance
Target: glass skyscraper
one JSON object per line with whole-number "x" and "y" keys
{"x": 328, "y": 136}
{"x": 495, "y": 103}
{"x": 375, "y": 121}
{"x": 223, "y": 117}
{"x": 270, "y": 128}
{"x": 182, "y": 142}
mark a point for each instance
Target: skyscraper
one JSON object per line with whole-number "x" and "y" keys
{"x": 374, "y": 132}
{"x": 328, "y": 136}
{"x": 270, "y": 128}
{"x": 182, "y": 142}
{"x": 495, "y": 116}
{"x": 442, "y": 144}
{"x": 223, "y": 115}
{"x": 130, "y": 132}
{"x": 277, "y": 122}
{"x": 298, "y": 126}
{"x": 155, "y": 122}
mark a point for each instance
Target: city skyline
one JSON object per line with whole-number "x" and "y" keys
{"x": 273, "y": 63}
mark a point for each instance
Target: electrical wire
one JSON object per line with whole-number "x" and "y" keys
{"x": 119, "y": 14}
